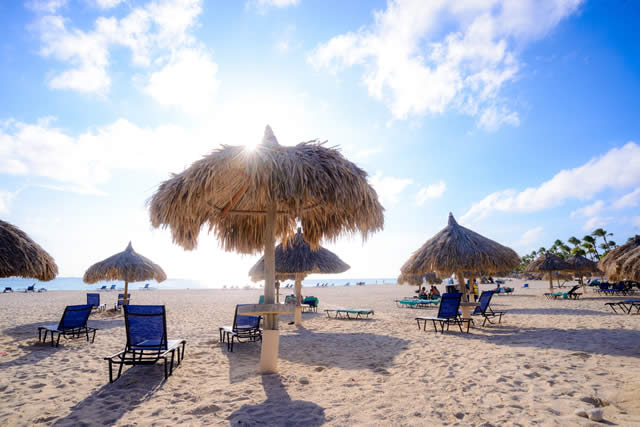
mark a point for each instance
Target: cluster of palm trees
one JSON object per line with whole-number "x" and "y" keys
{"x": 587, "y": 247}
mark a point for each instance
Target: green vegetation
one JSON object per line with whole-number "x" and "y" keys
{"x": 587, "y": 247}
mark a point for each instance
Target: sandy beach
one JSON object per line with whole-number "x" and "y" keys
{"x": 547, "y": 359}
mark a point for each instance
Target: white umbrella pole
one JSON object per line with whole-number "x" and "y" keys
{"x": 271, "y": 334}
{"x": 298, "y": 317}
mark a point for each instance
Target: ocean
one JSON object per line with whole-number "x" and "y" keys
{"x": 76, "y": 283}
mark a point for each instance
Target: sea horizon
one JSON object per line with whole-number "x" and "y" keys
{"x": 76, "y": 283}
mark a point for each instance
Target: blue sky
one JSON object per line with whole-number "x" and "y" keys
{"x": 520, "y": 117}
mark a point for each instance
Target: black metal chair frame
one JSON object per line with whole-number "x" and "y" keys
{"x": 250, "y": 334}
{"x": 120, "y": 302}
{"x": 135, "y": 355}
{"x": 488, "y": 313}
{"x": 457, "y": 320}
{"x": 67, "y": 333}
{"x": 359, "y": 315}
{"x": 625, "y": 306}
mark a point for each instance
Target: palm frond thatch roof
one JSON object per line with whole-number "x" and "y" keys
{"x": 417, "y": 280}
{"x": 623, "y": 262}
{"x": 582, "y": 264}
{"x": 22, "y": 257}
{"x": 548, "y": 262}
{"x": 228, "y": 191}
{"x": 128, "y": 266}
{"x": 458, "y": 249}
{"x": 296, "y": 256}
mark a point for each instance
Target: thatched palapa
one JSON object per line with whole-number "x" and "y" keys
{"x": 22, "y": 257}
{"x": 295, "y": 260}
{"x": 128, "y": 266}
{"x": 456, "y": 249}
{"x": 623, "y": 262}
{"x": 249, "y": 198}
{"x": 296, "y": 257}
{"x": 548, "y": 263}
{"x": 419, "y": 279}
{"x": 230, "y": 190}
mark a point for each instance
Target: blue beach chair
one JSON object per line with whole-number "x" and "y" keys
{"x": 72, "y": 325}
{"x": 447, "y": 314}
{"x": 147, "y": 341}
{"x": 7, "y": 289}
{"x": 94, "y": 301}
{"x": 103, "y": 288}
{"x": 485, "y": 311}
{"x": 244, "y": 327}
{"x": 121, "y": 301}
{"x": 112, "y": 288}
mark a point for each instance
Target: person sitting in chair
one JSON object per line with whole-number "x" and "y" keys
{"x": 423, "y": 293}
{"x": 433, "y": 292}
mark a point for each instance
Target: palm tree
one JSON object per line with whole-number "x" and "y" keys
{"x": 578, "y": 251}
{"x": 590, "y": 245}
{"x": 574, "y": 241}
{"x": 541, "y": 251}
{"x": 599, "y": 232}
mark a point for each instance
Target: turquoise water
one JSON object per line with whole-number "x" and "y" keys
{"x": 76, "y": 283}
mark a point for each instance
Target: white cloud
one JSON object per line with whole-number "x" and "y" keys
{"x": 188, "y": 81}
{"x": 580, "y": 183}
{"x": 417, "y": 66}
{"x": 530, "y": 237}
{"x": 82, "y": 163}
{"x": 6, "y": 198}
{"x": 636, "y": 221}
{"x": 431, "y": 191}
{"x": 629, "y": 200}
{"x": 388, "y": 187}
{"x": 107, "y": 4}
{"x": 262, "y": 5}
{"x": 590, "y": 210}
{"x": 595, "y": 222}
{"x": 151, "y": 32}
{"x": 46, "y": 6}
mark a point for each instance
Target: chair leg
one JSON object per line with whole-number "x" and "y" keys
{"x": 94, "y": 336}
{"x": 110, "y": 371}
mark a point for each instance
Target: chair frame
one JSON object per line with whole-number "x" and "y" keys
{"x": 74, "y": 332}
{"x": 457, "y": 320}
{"x": 359, "y": 314}
{"x": 133, "y": 355}
{"x": 100, "y": 306}
{"x": 488, "y": 313}
{"x": 229, "y": 334}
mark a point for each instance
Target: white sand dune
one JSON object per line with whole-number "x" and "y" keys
{"x": 547, "y": 359}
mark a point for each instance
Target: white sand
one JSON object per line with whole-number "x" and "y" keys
{"x": 546, "y": 360}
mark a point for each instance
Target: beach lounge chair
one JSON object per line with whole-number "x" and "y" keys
{"x": 94, "y": 301}
{"x": 625, "y": 307}
{"x": 72, "y": 325}
{"x": 147, "y": 287}
{"x": 103, "y": 288}
{"x": 112, "y": 288}
{"x": 572, "y": 294}
{"x": 350, "y": 313}
{"x": 121, "y": 301}
{"x": 7, "y": 289}
{"x": 485, "y": 311}
{"x": 447, "y": 314}
{"x": 147, "y": 342}
{"x": 31, "y": 288}
{"x": 244, "y": 328}
{"x": 417, "y": 302}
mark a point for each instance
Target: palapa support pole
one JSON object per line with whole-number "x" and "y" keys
{"x": 126, "y": 291}
{"x": 298, "y": 316}
{"x": 550, "y": 280}
{"x": 271, "y": 334}
{"x": 461, "y": 283}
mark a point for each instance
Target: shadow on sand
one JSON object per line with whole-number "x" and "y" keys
{"x": 36, "y": 351}
{"x": 278, "y": 409}
{"x": 558, "y": 311}
{"x": 111, "y": 402}
{"x": 322, "y": 349}
{"x": 612, "y": 342}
